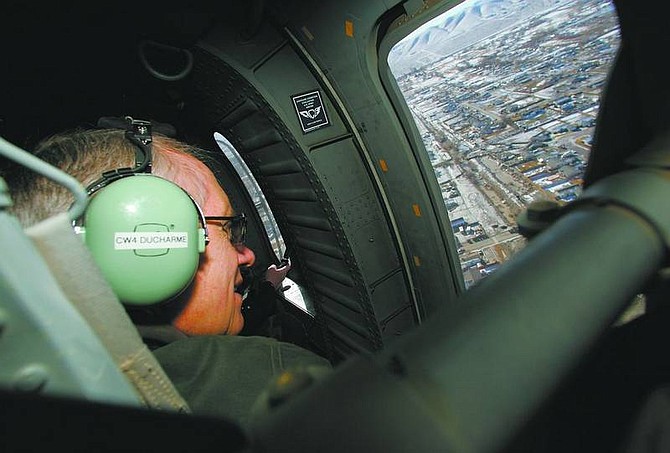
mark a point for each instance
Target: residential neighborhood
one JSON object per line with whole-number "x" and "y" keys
{"x": 510, "y": 119}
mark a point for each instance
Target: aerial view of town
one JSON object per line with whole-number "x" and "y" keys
{"x": 509, "y": 119}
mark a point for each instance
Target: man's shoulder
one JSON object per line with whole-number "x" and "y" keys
{"x": 226, "y": 349}
{"x": 225, "y": 375}
{"x": 231, "y": 341}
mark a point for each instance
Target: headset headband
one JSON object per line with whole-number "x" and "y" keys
{"x": 138, "y": 132}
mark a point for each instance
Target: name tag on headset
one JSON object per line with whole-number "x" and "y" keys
{"x": 143, "y": 240}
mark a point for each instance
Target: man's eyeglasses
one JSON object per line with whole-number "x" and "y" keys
{"x": 235, "y": 227}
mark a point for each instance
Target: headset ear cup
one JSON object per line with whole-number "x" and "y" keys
{"x": 145, "y": 235}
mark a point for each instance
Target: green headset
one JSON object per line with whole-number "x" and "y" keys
{"x": 145, "y": 233}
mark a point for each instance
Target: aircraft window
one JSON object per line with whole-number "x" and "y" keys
{"x": 505, "y": 96}
{"x": 292, "y": 292}
{"x": 295, "y": 294}
{"x": 269, "y": 222}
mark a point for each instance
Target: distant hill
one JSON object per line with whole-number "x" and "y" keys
{"x": 465, "y": 24}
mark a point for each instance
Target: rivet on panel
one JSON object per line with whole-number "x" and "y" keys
{"x": 417, "y": 261}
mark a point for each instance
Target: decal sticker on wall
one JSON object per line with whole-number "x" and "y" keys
{"x": 311, "y": 111}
